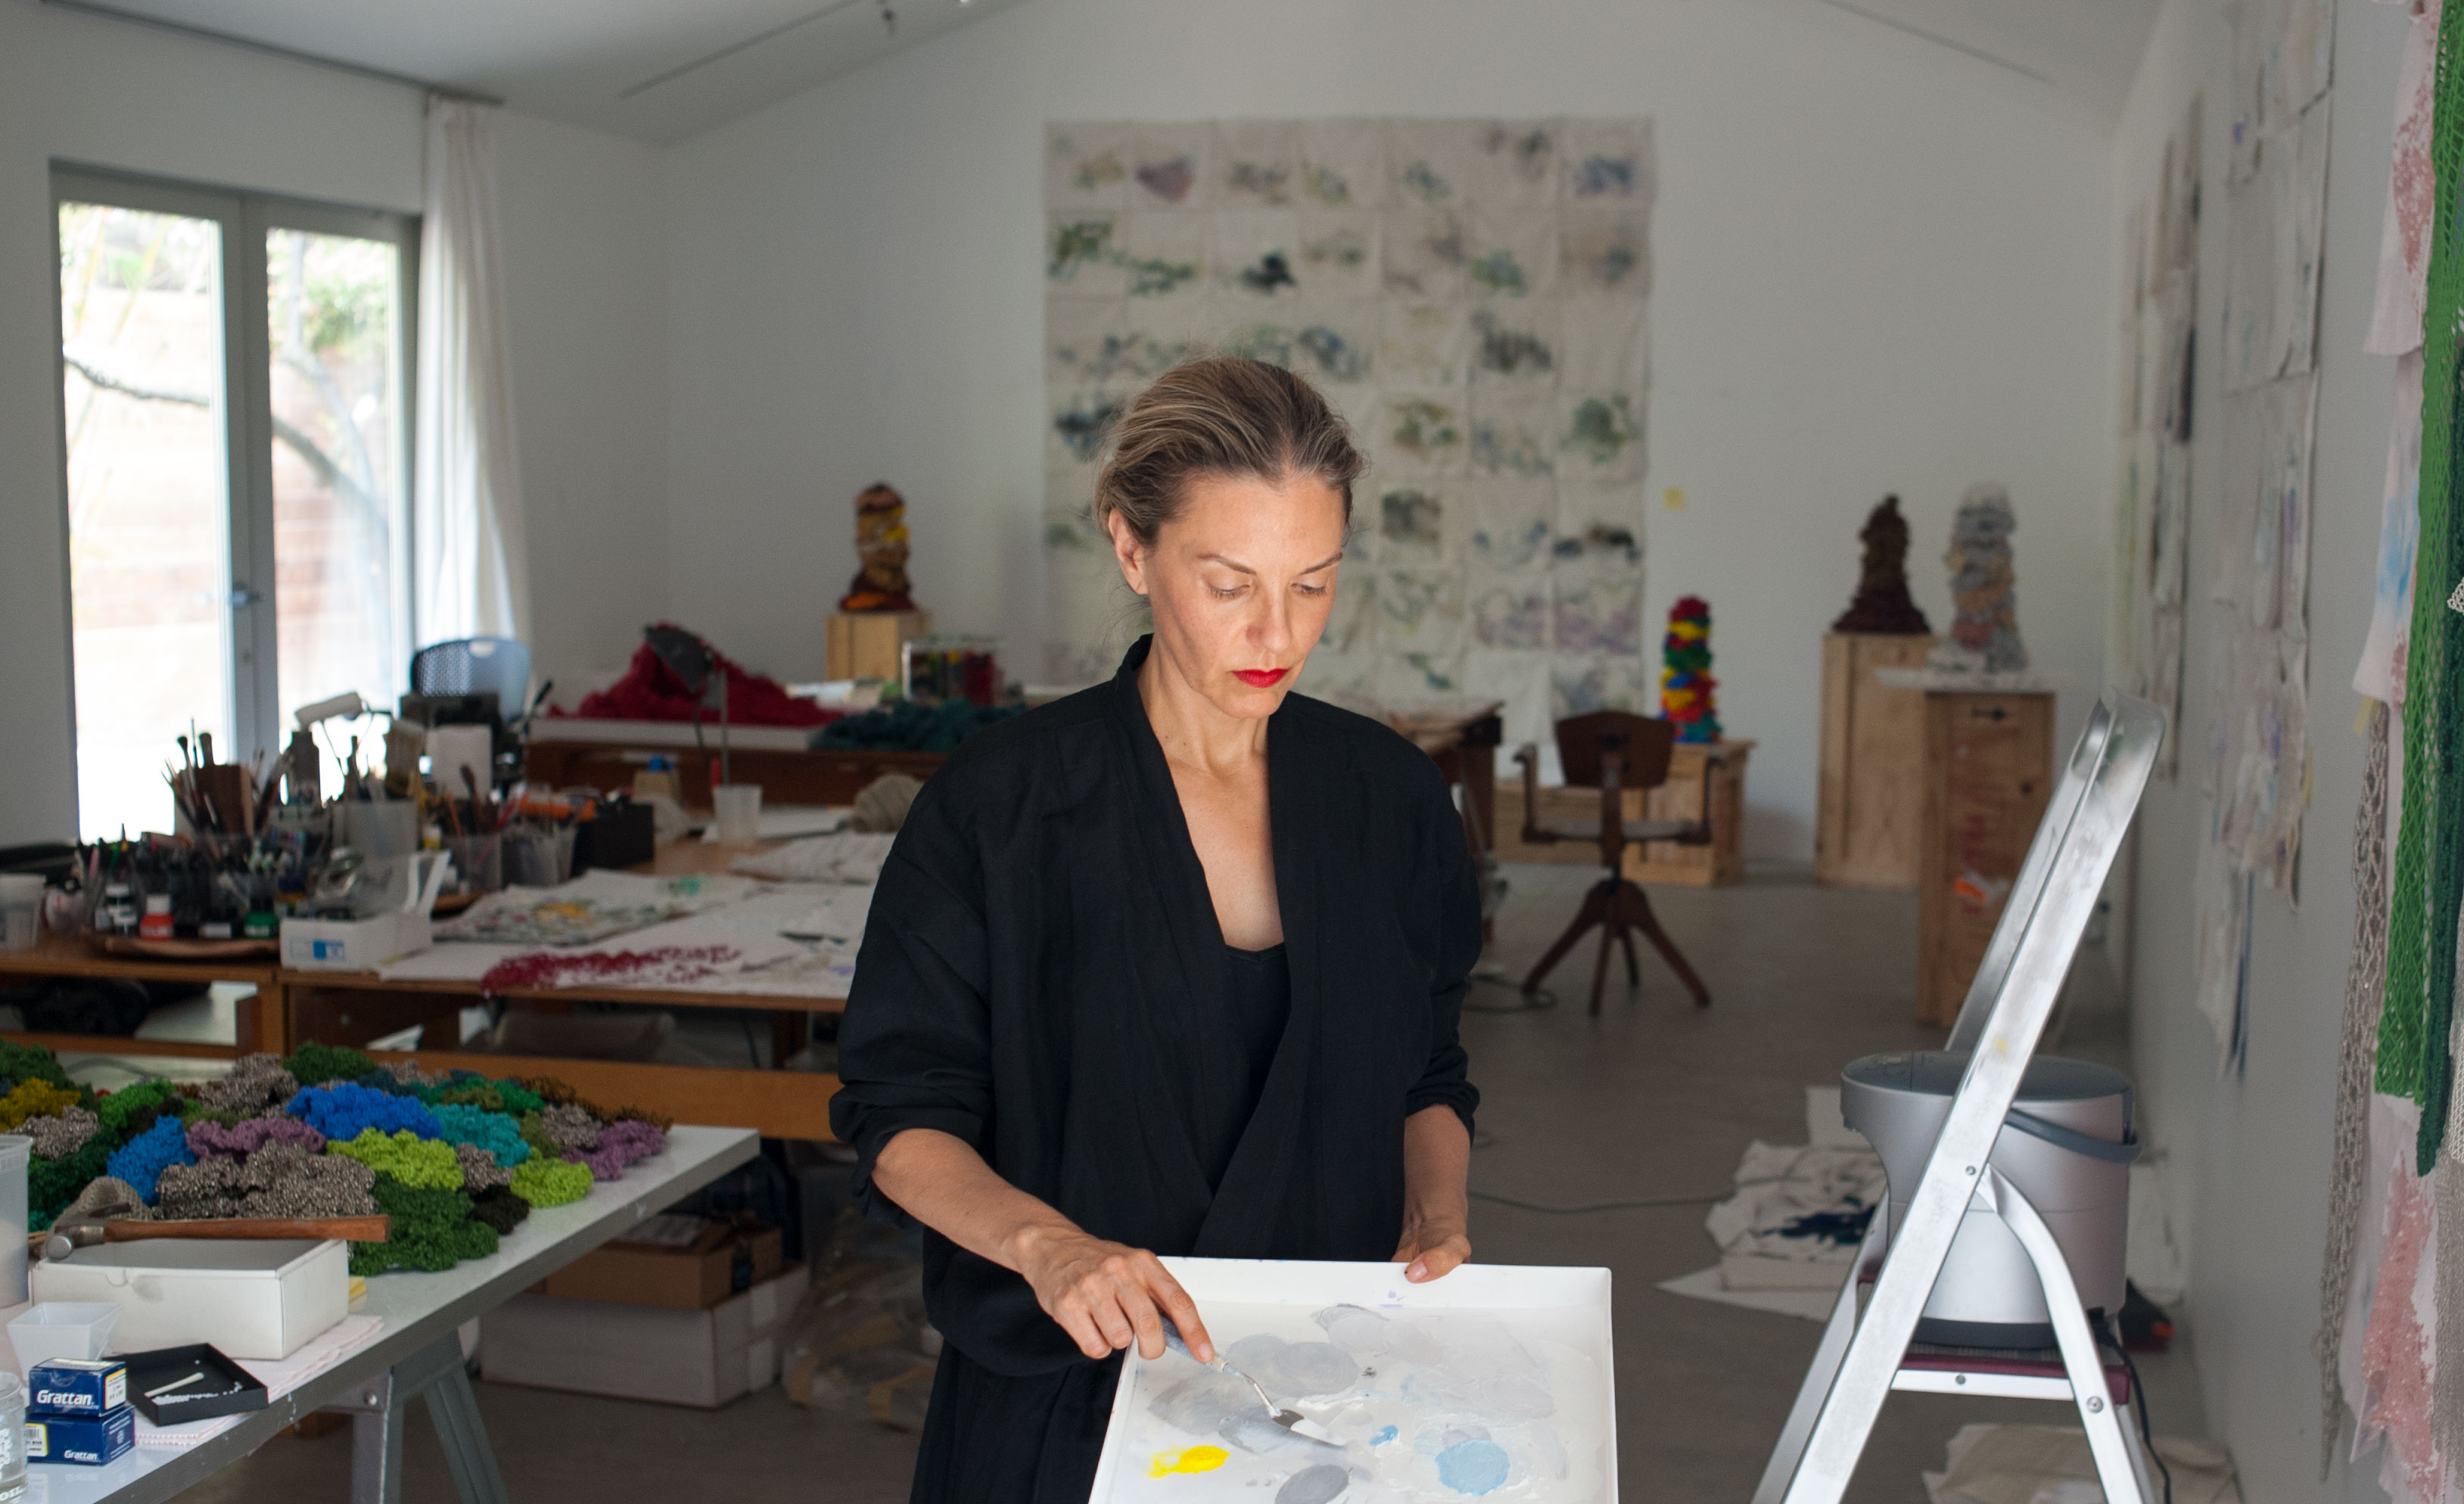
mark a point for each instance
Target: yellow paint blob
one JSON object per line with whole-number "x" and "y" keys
{"x": 1197, "y": 1459}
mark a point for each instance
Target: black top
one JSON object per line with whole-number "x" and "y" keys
{"x": 1258, "y": 1001}
{"x": 1043, "y": 977}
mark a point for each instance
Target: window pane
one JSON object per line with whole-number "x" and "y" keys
{"x": 149, "y": 537}
{"x": 334, "y": 308}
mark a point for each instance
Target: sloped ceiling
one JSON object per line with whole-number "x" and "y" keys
{"x": 659, "y": 70}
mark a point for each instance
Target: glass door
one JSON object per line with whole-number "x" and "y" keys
{"x": 334, "y": 369}
{"x": 234, "y": 380}
{"x": 147, "y": 408}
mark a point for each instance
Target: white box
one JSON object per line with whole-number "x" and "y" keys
{"x": 363, "y": 945}
{"x": 1494, "y": 1377}
{"x": 250, "y": 1297}
{"x": 640, "y": 1352}
{"x": 354, "y": 944}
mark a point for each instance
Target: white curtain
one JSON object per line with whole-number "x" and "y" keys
{"x": 471, "y": 578}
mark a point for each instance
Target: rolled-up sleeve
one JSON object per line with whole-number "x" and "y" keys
{"x": 1455, "y": 896}
{"x": 914, "y": 1044}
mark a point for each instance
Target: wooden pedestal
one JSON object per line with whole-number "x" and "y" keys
{"x": 1680, "y": 798}
{"x": 1989, "y": 774}
{"x": 864, "y": 645}
{"x": 1871, "y": 799}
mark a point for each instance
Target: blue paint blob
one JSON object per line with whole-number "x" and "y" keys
{"x": 1473, "y": 1466}
{"x": 1385, "y": 1435}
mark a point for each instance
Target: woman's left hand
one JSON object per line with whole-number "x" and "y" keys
{"x": 1432, "y": 1252}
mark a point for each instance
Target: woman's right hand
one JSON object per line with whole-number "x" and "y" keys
{"x": 1108, "y": 1296}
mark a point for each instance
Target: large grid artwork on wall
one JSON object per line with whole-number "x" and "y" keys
{"x": 1470, "y": 293}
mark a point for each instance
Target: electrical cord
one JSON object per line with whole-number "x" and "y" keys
{"x": 1537, "y": 1000}
{"x": 1603, "y": 1206}
{"x": 2139, "y": 1392}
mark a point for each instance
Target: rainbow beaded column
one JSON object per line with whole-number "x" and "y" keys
{"x": 1685, "y": 682}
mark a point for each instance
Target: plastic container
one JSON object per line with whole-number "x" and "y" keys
{"x": 12, "y": 1429}
{"x": 538, "y": 857}
{"x": 79, "y": 1330}
{"x": 452, "y": 751}
{"x": 21, "y": 911}
{"x": 14, "y": 1149}
{"x": 380, "y": 828}
{"x": 2067, "y": 1144}
{"x": 478, "y": 861}
{"x": 739, "y": 808}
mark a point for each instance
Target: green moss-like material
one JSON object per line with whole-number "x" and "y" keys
{"x": 533, "y": 1130}
{"x": 422, "y": 1164}
{"x": 467, "y": 1094}
{"x": 432, "y": 1230}
{"x": 50, "y": 1185}
{"x": 545, "y": 1180}
{"x": 517, "y": 1098}
{"x": 121, "y": 1111}
{"x": 32, "y": 1062}
{"x": 316, "y": 1064}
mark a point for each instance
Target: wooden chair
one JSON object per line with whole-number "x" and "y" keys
{"x": 1613, "y": 752}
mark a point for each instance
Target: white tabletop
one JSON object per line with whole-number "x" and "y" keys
{"x": 417, "y": 1309}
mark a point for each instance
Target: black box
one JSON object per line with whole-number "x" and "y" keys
{"x": 226, "y": 1389}
{"x": 621, "y": 834}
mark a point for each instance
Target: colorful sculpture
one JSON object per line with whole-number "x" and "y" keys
{"x": 881, "y": 544}
{"x": 1882, "y": 604}
{"x": 1685, "y": 682}
{"x": 1984, "y": 635}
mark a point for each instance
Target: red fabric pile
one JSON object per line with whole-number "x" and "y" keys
{"x": 650, "y": 692}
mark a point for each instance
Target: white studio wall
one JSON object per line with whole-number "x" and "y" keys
{"x": 2246, "y": 1150}
{"x": 582, "y": 261}
{"x": 1877, "y": 266}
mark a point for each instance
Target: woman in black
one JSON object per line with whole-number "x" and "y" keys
{"x": 1172, "y": 965}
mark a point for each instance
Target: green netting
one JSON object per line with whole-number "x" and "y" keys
{"x": 2413, "y": 1057}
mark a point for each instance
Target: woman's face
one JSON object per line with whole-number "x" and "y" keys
{"x": 1241, "y": 583}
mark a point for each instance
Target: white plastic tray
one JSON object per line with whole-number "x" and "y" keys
{"x": 1494, "y": 1367}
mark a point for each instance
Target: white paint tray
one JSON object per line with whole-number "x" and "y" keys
{"x": 1497, "y": 1381}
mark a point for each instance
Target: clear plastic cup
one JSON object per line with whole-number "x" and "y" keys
{"x": 538, "y": 857}
{"x": 738, "y": 807}
{"x": 478, "y": 861}
{"x": 12, "y": 1428}
{"x": 21, "y": 911}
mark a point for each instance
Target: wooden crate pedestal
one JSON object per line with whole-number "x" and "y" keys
{"x": 864, "y": 645}
{"x": 1871, "y": 802}
{"x": 1989, "y": 774}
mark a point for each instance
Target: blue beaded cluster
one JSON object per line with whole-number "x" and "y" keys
{"x": 141, "y": 1160}
{"x": 345, "y": 1110}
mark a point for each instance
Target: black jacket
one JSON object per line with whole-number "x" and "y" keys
{"x": 1042, "y": 976}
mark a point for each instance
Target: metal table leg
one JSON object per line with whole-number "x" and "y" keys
{"x": 434, "y": 1372}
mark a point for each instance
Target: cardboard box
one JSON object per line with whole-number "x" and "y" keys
{"x": 639, "y": 1352}
{"x": 76, "y": 1385}
{"x": 723, "y": 1260}
{"x": 250, "y": 1297}
{"x": 87, "y": 1440}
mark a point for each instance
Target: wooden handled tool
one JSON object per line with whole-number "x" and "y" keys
{"x": 359, "y": 1229}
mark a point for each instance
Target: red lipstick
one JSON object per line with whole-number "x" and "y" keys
{"x": 1258, "y": 678}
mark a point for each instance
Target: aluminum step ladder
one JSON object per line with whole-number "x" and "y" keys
{"x": 1862, "y": 1358}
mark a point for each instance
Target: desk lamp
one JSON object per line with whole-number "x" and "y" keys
{"x": 690, "y": 659}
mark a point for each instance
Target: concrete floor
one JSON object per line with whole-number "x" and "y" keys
{"x": 1653, "y": 1100}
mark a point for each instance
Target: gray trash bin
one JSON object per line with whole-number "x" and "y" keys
{"x": 2067, "y": 1146}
